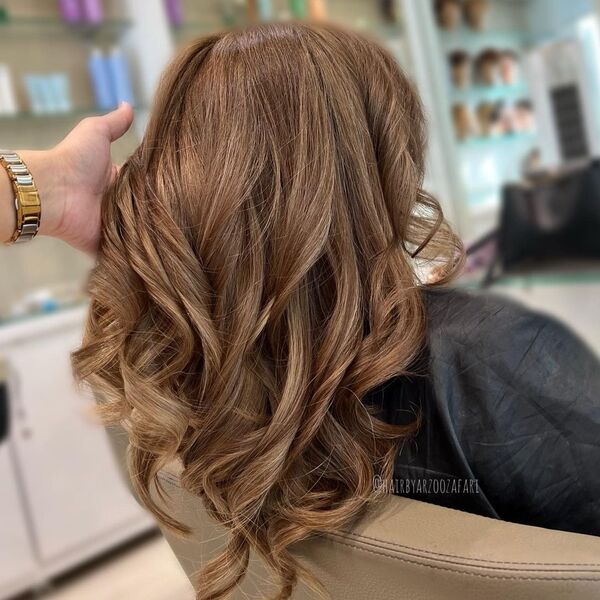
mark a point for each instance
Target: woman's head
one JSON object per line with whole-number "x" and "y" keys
{"x": 256, "y": 279}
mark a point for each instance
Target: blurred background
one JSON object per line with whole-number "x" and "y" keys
{"x": 512, "y": 93}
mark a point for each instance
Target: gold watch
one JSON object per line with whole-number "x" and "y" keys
{"x": 27, "y": 199}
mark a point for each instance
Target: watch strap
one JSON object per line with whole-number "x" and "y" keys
{"x": 27, "y": 199}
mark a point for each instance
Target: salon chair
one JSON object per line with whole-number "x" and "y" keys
{"x": 406, "y": 550}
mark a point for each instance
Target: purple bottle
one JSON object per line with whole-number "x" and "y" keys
{"x": 93, "y": 11}
{"x": 70, "y": 11}
{"x": 174, "y": 12}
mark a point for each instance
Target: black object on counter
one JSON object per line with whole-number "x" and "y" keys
{"x": 4, "y": 411}
{"x": 549, "y": 222}
{"x": 555, "y": 217}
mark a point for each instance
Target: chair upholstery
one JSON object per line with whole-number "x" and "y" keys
{"x": 410, "y": 550}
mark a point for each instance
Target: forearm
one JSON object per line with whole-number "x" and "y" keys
{"x": 46, "y": 170}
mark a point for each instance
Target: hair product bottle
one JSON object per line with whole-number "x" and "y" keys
{"x": 61, "y": 92}
{"x": 174, "y": 12}
{"x": 47, "y": 95}
{"x": 119, "y": 77}
{"x": 100, "y": 76}
{"x": 8, "y": 101}
{"x": 252, "y": 10}
{"x": 317, "y": 10}
{"x": 298, "y": 8}
{"x": 229, "y": 13}
{"x": 71, "y": 11}
{"x": 93, "y": 11}
{"x": 34, "y": 93}
{"x": 265, "y": 10}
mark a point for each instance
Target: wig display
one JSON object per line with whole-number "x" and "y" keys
{"x": 460, "y": 68}
{"x": 448, "y": 13}
{"x": 257, "y": 277}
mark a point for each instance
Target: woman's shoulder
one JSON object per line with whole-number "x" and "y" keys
{"x": 521, "y": 392}
{"x": 483, "y": 332}
{"x": 492, "y": 327}
{"x": 472, "y": 316}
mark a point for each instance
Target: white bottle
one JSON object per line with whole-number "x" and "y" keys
{"x": 8, "y": 100}
{"x": 34, "y": 87}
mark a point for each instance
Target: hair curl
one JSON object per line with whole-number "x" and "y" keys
{"x": 256, "y": 278}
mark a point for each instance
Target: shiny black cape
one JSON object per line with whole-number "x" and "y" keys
{"x": 509, "y": 398}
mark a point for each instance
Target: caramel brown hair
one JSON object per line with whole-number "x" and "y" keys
{"x": 256, "y": 278}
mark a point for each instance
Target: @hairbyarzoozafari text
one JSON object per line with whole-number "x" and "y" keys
{"x": 426, "y": 486}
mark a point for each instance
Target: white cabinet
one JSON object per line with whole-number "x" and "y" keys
{"x": 17, "y": 559}
{"x": 72, "y": 494}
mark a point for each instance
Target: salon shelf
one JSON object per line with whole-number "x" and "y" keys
{"x": 194, "y": 27}
{"x": 490, "y": 93}
{"x": 67, "y": 309}
{"x": 49, "y": 26}
{"x": 30, "y": 116}
{"x": 474, "y": 41}
{"x": 76, "y": 113}
{"x": 482, "y": 202}
{"x": 561, "y": 273}
{"x": 385, "y": 31}
{"x": 497, "y": 141}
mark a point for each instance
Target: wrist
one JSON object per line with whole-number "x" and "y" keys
{"x": 47, "y": 172}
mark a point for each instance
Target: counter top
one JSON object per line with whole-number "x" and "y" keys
{"x": 25, "y": 327}
{"x": 565, "y": 274}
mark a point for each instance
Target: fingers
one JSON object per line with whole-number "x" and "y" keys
{"x": 118, "y": 121}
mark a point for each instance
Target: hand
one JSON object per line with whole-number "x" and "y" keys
{"x": 73, "y": 176}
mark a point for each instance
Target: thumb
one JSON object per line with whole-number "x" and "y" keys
{"x": 118, "y": 121}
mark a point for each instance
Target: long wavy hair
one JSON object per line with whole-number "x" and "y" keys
{"x": 257, "y": 277}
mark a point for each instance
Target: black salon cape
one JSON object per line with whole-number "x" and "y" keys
{"x": 509, "y": 398}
